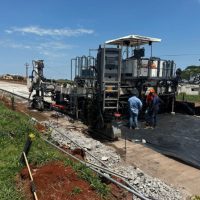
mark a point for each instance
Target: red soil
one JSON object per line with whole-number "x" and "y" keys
{"x": 57, "y": 182}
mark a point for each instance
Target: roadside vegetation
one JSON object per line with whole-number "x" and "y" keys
{"x": 14, "y": 128}
{"x": 190, "y": 71}
{"x": 195, "y": 197}
{"x": 188, "y": 98}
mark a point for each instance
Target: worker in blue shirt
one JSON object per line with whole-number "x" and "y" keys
{"x": 135, "y": 105}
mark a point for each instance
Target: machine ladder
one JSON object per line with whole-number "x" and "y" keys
{"x": 111, "y": 95}
{"x": 111, "y": 77}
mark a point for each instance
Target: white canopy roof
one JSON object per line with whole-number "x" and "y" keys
{"x": 133, "y": 40}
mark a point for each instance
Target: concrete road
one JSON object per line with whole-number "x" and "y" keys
{"x": 19, "y": 89}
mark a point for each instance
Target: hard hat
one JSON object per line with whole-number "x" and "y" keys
{"x": 152, "y": 90}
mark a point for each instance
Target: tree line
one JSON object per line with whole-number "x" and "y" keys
{"x": 190, "y": 72}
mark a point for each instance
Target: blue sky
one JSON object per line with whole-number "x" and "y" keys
{"x": 58, "y": 30}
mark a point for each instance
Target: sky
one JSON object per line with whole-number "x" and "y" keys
{"x": 58, "y": 30}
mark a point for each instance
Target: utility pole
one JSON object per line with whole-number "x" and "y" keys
{"x": 26, "y": 64}
{"x": 199, "y": 82}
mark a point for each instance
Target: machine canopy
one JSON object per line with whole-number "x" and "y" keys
{"x": 133, "y": 40}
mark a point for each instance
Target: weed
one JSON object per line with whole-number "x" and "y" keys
{"x": 75, "y": 190}
{"x": 195, "y": 197}
{"x": 86, "y": 173}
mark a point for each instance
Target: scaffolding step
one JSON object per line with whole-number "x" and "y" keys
{"x": 111, "y": 91}
{"x": 111, "y": 99}
{"x": 116, "y": 82}
{"x": 110, "y": 107}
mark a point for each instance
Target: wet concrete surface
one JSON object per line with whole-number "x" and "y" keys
{"x": 175, "y": 135}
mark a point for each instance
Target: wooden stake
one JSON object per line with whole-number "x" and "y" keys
{"x": 30, "y": 174}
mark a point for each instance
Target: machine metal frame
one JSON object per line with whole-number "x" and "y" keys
{"x": 102, "y": 85}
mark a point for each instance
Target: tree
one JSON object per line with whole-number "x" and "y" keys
{"x": 190, "y": 71}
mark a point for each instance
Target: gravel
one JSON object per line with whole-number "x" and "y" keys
{"x": 148, "y": 186}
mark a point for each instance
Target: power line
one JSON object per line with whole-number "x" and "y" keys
{"x": 185, "y": 54}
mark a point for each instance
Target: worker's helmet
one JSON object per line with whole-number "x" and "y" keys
{"x": 151, "y": 90}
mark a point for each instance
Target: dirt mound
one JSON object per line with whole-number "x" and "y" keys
{"x": 54, "y": 181}
{"x": 57, "y": 182}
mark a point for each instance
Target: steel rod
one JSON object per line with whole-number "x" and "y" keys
{"x": 136, "y": 193}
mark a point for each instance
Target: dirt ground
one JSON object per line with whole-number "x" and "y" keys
{"x": 54, "y": 181}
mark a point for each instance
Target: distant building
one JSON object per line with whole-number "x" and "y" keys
{"x": 7, "y": 77}
{"x": 190, "y": 89}
{"x": 12, "y": 77}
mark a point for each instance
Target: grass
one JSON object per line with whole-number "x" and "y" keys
{"x": 87, "y": 174}
{"x": 195, "y": 197}
{"x": 14, "y": 129}
{"x": 189, "y": 98}
{"x": 76, "y": 190}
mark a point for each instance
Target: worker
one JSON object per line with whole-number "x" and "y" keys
{"x": 135, "y": 105}
{"x": 152, "y": 102}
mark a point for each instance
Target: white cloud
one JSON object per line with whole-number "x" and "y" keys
{"x": 55, "y": 45}
{"x": 51, "y": 54}
{"x": 50, "y": 32}
{"x": 53, "y": 49}
{"x": 43, "y": 48}
{"x": 14, "y": 45}
{"x": 8, "y": 31}
{"x": 19, "y": 46}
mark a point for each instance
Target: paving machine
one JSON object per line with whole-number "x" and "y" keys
{"x": 110, "y": 80}
{"x": 38, "y": 86}
{"x": 101, "y": 85}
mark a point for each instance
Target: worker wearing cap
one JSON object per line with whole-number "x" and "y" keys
{"x": 135, "y": 105}
{"x": 152, "y": 102}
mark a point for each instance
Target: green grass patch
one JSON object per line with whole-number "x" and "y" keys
{"x": 75, "y": 191}
{"x": 188, "y": 98}
{"x": 88, "y": 175}
{"x": 195, "y": 197}
{"x": 14, "y": 130}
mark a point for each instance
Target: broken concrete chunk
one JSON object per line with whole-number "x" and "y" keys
{"x": 104, "y": 158}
